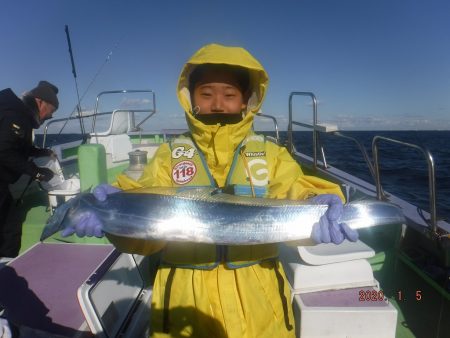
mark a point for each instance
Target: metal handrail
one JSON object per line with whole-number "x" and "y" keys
{"x": 275, "y": 124}
{"x": 52, "y": 121}
{"x": 363, "y": 151}
{"x": 132, "y": 126}
{"x": 431, "y": 173}
{"x": 96, "y": 113}
{"x": 152, "y": 110}
{"x": 138, "y": 126}
{"x": 314, "y": 126}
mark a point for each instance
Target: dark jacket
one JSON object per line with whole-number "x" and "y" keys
{"x": 17, "y": 121}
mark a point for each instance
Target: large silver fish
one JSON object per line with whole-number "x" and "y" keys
{"x": 206, "y": 215}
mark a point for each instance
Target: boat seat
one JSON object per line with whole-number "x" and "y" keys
{"x": 327, "y": 266}
{"x": 115, "y": 140}
{"x": 120, "y": 124}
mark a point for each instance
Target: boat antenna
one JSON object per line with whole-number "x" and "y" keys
{"x": 83, "y": 134}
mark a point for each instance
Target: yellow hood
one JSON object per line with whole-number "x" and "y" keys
{"x": 216, "y": 142}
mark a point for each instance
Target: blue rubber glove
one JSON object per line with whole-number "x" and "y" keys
{"x": 89, "y": 224}
{"x": 102, "y": 191}
{"x": 328, "y": 229}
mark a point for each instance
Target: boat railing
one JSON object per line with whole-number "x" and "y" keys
{"x": 133, "y": 125}
{"x": 275, "y": 123}
{"x": 65, "y": 120}
{"x": 316, "y": 130}
{"x": 291, "y": 123}
{"x": 362, "y": 150}
{"x": 130, "y": 127}
{"x": 431, "y": 174}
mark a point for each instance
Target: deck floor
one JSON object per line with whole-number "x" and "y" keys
{"x": 422, "y": 309}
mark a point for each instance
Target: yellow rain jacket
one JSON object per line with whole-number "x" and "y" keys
{"x": 221, "y": 301}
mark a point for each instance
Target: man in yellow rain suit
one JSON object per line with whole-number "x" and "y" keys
{"x": 205, "y": 290}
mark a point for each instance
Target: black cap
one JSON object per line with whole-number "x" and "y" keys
{"x": 45, "y": 91}
{"x": 241, "y": 74}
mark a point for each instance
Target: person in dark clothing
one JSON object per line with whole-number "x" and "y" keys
{"x": 18, "y": 118}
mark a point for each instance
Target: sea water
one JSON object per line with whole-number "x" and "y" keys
{"x": 403, "y": 170}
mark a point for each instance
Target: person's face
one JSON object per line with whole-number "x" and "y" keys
{"x": 218, "y": 92}
{"x": 46, "y": 109}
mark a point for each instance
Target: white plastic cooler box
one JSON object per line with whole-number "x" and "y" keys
{"x": 335, "y": 293}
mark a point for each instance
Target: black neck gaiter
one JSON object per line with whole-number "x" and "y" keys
{"x": 219, "y": 118}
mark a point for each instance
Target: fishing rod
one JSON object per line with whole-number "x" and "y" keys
{"x": 83, "y": 134}
{"x": 107, "y": 59}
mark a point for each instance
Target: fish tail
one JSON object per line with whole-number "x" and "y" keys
{"x": 56, "y": 221}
